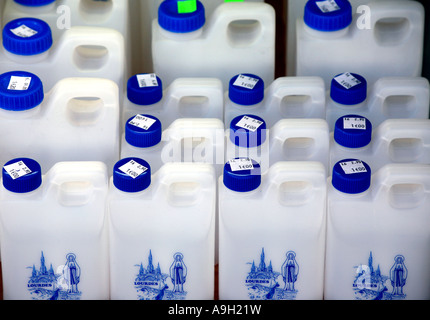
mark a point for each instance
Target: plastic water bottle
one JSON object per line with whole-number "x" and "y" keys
{"x": 185, "y": 140}
{"x": 236, "y": 37}
{"x": 80, "y": 52}
{"x": 61, "y": 15}
{"x": 384, "y": 40}
{"x": 394, "y": 141}
{"x": 377, "y": 232}
{"x": 54, "y": 241}
{"x": 272, "y": 231}
{"x": 165, "y": 252}
{"x": 288, "y": 140}
{"x": 78, "y": 120}
{"x": 286, "y": 97}
{"x": 388, "y": 98}
{"x": 183, "y": 98}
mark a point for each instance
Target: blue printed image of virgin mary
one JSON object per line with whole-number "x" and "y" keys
{"x": 72, "y": 273}
{"x": 178, "y": 272}
{"x": 290, "y": 271}
{"x": 398, "y": 275}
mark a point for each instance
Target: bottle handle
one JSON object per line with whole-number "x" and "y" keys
{"x": 195, "y": 97}
{"x": 184, "y": 184}
{"x": 83, "y": 101}
{"x": 260, "y": 27}
{"x": 95, "y": 49}
{"x": 405, "y": 18}
{"x": 401, "y": 97}
{"x": 310, "y": 89}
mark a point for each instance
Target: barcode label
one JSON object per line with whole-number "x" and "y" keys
{"x": 249, "y": 123}
{"x": 347, "y": 80}
{"x": 241, "y": 164}
{"x": 17, "y": 170}
{"x": 327, "y": 6}
{"x": 19, "y": 83}
{"x": 147, "y": 80}
{"x": 352, "y": 167}
{"x": 142, "y": 122}
{"x": 23, "y": 31}
{"x": 133, "y": 169}
{"x": 245, "y": 82}
{"x": 354, "y": 123}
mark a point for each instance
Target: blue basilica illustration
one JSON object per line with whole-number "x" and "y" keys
{"x": 370, "y": 284}
{"x": 152, "y": 284}
{"x": 46, "y": 284}
{"x": 262, "y": 281}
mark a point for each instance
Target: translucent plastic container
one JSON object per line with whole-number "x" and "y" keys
{"x": 80, "y": 52}
{"x": 388, "y": 98}
{"x": 236, "y": 37}
{"x": 184, "y": 98}
{"x": 165, "y": 252}
{"x": 377, "y": 232}
{"x": 54, "y": 241}
{"x": 386, "y": 40}
{"x": 286, "y": 97}
{"x": 185, "y": 140}
{"x": 394, "y": 141}
{"x": 288, "y": 140}
{"x": 78, "y": 120}
{"x": 272, "y": 231}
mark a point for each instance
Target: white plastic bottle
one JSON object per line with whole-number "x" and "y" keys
{"x": 80, "y": 52}
{"x": 285, "y": 97}
{"x": 272, "y": 231}
{"x": 166, "y": 251}
{"x": 236, "y": 37}
{"x": 387, "y": 34}
{"x": 377, "y": 232}
{"x": 185, "y": 140}
{"x": 78, "y": 120}
{"x": 54, "y": 241}
{"x": 288, "y": 140}
{"x": 183, "y": 98}
{"x": 388, "y": 98}
{"x": 393, "y": 141}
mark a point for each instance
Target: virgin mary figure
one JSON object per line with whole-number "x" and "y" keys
{"x": 178, "y": 272}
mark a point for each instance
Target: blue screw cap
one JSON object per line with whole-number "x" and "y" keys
{"x": 248, "y": 131}
{"x": 351, "y": 176}
{"x": 143, "y": 131}
{"x": 132, "y": 175}
{"x": 25, "y": 175}
{"x": 349, "y": 95}
{"x": 144, "y": 95}
{"x": 244, "y": 176}
{"x": 36, "y": 39}
{"x": 171, "y": 20}
{"x": 34, "y": 3}
{"x": 24, "y": 99}
{"x": 245, "y": 95}
{"x": 323, "y": 16}
{"x": 353, "y": 131}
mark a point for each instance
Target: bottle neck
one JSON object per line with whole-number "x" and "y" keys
{"x": 32, "y": 11}
{"x": 325, "y": 34}
{"x": 187, "y": 36}
{"x": 36, "y": 58}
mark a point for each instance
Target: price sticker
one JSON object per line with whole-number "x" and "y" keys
{"x": 241, "y": 164}
{"x": 133, "y": 169}
{"x": 147, "y": 80}
{"x": 347, "y": 80}
{"x": 354, "y": 123}
{"x": 246, "y": 82}
{"x": 353, "y": 167}
{"x": 19, "y": 83}
{"x": 327, "y": 6}
{"x": 17, "y": 170}
{"x": 249, "y": 123}
{"x": 142, "y": 122}
{"x": 23, "y": 31}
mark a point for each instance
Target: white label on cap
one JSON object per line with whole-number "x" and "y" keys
{"x": 245, "y": 82}
{"x": 19, "y": 83}
{"x": 352, "y": 167}
{"x": 241, "y": 164}
{"x": 249, "y": 123}
{"x": 23, "y": 31}
{"x": 327, "y": 6}
{"x": 133, "y": 169}
{"x": 142, "y": 122}
{"x": 17, "y": 170}
{"x": 347, "y": 80}
{"x": 354, "y": 123}
{"x": 147, "y": 80}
